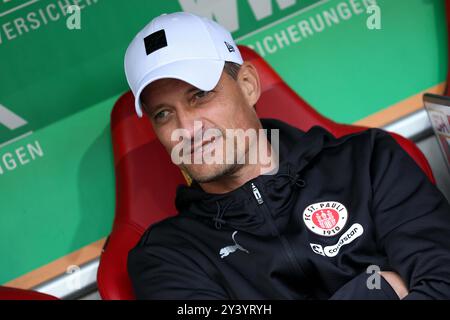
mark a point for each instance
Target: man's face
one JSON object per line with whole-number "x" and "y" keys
{"x": 173, "y": 104}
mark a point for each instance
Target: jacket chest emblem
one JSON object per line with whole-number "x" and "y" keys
{"x": 225, "y": 251}
{"x": 326, "y": 218}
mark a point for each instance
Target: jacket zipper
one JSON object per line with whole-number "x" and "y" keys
{"x": 290, "y": 253}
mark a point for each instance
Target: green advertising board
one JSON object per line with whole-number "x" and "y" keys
{"x": 61, "y": 70}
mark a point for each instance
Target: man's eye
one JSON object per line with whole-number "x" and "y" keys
{"x": 202, "y": 94}
{"x": 161, "y": 115}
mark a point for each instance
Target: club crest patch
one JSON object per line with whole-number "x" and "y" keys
{"x": 326, "y": 218}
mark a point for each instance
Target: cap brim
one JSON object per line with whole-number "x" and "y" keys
{"x": 203, "y": 74}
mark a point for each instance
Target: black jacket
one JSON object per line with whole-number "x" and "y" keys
{"x": 335, "y": 207}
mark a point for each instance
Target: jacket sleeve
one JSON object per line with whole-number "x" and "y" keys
{"x": 412, "y": 219}
{"x": 161, "y": 272}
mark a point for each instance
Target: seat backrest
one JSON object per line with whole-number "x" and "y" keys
{"x": 146, "y": 179}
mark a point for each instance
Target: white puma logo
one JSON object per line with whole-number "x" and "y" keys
{"x": 230, "y": 249}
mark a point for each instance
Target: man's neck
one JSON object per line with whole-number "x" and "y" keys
{"x": 233, "y": 181}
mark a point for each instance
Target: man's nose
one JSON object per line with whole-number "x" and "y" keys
{"x": 190, "y": 122}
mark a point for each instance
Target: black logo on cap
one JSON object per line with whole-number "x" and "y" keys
{"x": 229, "y": 47}
{"x": 155, "y": 41}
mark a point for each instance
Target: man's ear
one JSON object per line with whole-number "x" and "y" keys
{"x": 248, "y": 80}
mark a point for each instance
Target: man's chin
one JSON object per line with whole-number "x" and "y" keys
{"x": 211, "y": 173}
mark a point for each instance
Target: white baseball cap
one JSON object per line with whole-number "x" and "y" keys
{"x": 179, "y": 45}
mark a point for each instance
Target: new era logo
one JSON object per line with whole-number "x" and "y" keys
{"x": 229, "y": 47}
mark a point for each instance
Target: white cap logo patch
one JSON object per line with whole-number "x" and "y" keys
{"x": 325, "y": 218}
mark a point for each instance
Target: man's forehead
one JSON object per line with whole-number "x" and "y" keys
{"x": 155, "y": 94}
{"x": 158, "y": 91}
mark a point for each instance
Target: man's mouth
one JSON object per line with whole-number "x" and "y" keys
{"x": 203, "y": 145}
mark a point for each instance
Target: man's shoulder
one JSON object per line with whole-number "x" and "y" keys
{"x": 380, "y": 142}
{"x": 369, "y": 138}
{"x": 161, "y": 245}
{"x": 165, "y": 232}
{"x": 373, "y": 148}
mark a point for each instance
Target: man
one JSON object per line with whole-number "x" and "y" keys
{"x": 309, "y": 223}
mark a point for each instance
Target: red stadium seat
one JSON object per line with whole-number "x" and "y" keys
{"x": 7, "y": 293}
{"x": 146, "y": 180}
